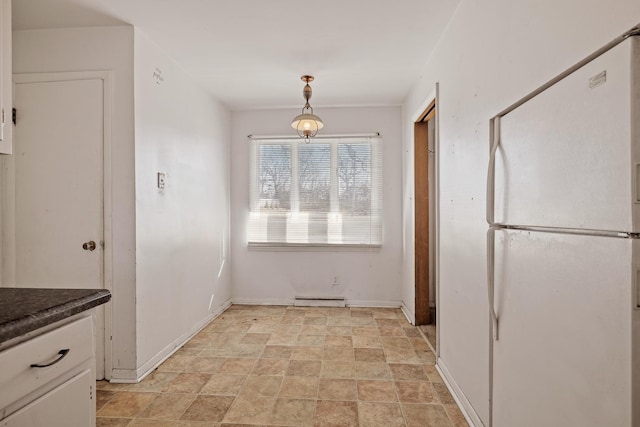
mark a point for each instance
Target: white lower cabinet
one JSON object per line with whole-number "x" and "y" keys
{"x": 68, "y": 405}
{"x": 49, "y": 379}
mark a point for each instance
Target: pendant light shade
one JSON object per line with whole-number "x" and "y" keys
{"x": 307, "y": 124}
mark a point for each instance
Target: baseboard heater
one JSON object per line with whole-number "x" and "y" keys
{"x": 319, "y": 302}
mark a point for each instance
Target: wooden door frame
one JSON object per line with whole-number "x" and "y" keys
{"x": 8, "y": 215}
{"x": 418, "y": 115}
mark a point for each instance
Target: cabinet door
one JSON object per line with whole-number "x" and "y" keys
{"x": 6, "y": 105}
{"x": 71, "y": 404}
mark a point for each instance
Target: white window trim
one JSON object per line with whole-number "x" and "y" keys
{"x": 334, "y": 203}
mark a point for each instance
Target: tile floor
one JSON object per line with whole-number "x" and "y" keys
{"x": 429, "y": 332}
{"x": 290, "y": 366}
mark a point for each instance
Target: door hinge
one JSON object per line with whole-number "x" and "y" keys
{"x": 14, "y": 114}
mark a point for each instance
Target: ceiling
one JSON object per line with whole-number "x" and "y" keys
{"x": 251, "y": 53}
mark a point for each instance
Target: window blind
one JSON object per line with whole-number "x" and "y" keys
{"x": 328, "y": 192}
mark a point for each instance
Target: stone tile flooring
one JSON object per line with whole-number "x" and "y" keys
{"x": 290, "y": 366}
{"x": 429, "y": 332}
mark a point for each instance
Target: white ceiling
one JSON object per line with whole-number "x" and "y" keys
{"x": 251, "y": 53}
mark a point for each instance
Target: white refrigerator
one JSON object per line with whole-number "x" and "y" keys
{"x": 563, "y": 206}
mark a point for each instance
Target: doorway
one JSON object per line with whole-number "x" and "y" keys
{"x": 424, "y": 189}
{"x": 55, "y": 188}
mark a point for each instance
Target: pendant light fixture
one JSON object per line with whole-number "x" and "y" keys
{"x": 307, "y": 124}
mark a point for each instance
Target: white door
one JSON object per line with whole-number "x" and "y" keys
{"x": 58, "y": 172}
{"x": 565, "y": 354}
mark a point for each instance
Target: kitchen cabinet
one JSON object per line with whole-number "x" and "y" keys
{"x": 50, "y": 379}
{"x": 6, "y": 87}
{"x": 69, "y": 404}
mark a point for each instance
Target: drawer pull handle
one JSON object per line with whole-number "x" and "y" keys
{"x": 62, "y": 354}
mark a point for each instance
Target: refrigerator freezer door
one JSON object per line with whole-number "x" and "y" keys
{"x": 566, "y": 309}
{"x": 569, "y": 156}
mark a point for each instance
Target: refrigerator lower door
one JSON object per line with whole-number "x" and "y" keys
{"x": 568, "y": 320}
{"x": 570, "y": 156}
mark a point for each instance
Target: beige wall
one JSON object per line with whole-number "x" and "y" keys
{"x": 492, "y": 53}
{"x": 171, "y": 270}
{"x": 182, "y": 231}
{"x": 104, "y": 48}
{"x": 369, "y": 276}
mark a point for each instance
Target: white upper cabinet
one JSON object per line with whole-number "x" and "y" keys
{"x": 6, "y": 105}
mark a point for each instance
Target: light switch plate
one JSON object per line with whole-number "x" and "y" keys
{"x": 161, "y": 179}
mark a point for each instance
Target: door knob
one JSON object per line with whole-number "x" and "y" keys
{"x": 89, "y": 246}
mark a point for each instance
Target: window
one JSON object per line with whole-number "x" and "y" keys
{"x": 328, "y": 192}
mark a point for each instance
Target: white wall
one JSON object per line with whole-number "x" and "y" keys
{"x": 182, "y": 231}
{"x": 168, "y": 246}
{"x": 105, "y": 48}
{"x": 366, "y": 276}
{"x": 492, "y": 53}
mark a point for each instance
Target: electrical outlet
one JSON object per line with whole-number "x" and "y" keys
{"x": 336, "y": 280}
{"x": 162, "y": 177}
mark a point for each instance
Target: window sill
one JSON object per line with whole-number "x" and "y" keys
{"x": 311, "y": 247}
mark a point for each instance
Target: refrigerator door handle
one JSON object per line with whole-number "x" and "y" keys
{"x": 491, "y": 172}
{"x": 491, "y": 248}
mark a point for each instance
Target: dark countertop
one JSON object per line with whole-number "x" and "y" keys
{"x": 23, "y": 310}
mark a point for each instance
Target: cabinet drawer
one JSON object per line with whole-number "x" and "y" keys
{"x": 18, "y": 378}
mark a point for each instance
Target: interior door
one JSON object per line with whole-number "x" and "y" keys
{"x": 424, "y": 191}
{"x": 58, "y": 173}
{"x": 421, "y": 188}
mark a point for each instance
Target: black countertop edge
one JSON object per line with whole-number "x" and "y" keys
{"x": 28, "y": 322}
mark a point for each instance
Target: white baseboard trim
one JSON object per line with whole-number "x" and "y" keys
{"x": 290, "y": 301}
{"x": 465, "y": 406}
{"x": 123, "y": 376}
{"x": 410, "y": 315}
{"x": 137, "y": 375}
